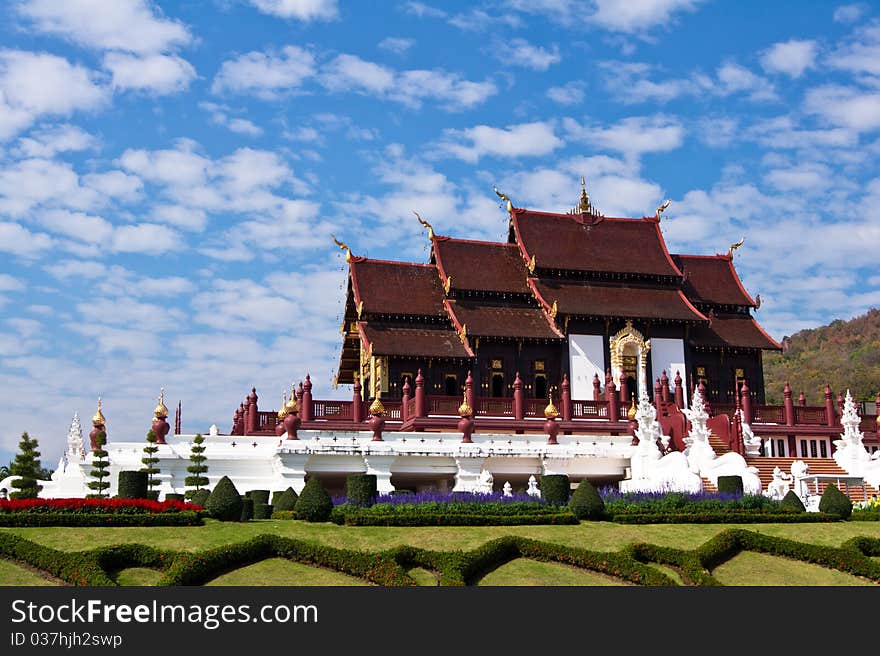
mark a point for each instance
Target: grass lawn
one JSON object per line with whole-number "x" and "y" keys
{"x": 278, "y": 571}
{"x": 524, "y": 571}
{"x": 138, "y": 576}
{"x": 749, "y": 568}
{"x": 14, "y": 574}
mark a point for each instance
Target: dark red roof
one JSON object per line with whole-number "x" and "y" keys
{"x": 501, "y": 321}
{"x": 616, "y": 301}
{"x": 712, "y": 279}
{"x": 420, "y": 342}
{"x": 593, "y": 244}
{"x": 482, "y": 265}
{"x": 396, "y": 287}
{"x": 735, "y": 331}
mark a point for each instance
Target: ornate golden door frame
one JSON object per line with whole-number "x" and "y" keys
{"x": 630, "y": 342}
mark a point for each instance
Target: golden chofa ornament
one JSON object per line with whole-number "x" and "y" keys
{"x": 631, "y": 413}
{"x": 98, "y": 419}
{"x": 550, "y": 411}
{"x": 465, "y": 410}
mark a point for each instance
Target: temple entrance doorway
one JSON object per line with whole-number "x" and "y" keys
{"x": 629, "y": 359}
{"x": 540, "y": 386}
{"x": 450, "y": 385}
{"x": 498, "y": 385}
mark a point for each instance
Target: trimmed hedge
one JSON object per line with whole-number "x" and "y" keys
{"x": 358, "y": 517}
{"x": 224, "y": 502}
{"x": 793, "y": 502}
{"x": 864, "y": 516}
{"x": 730, "y": 485}
{"x": 314, "y": 504}
{"x": 262, "y": 511}
{"x": 23, "y": 519}
{"x": 835, "y": 502}
{"x": 247, "y": 509}
{"x": 734, "y": 517}
{"x": 586, "y": 503}
{"x": 360, "y": 489}
{"x": 555, "y": 489}
{"x": 174, "y": 497}
{"x": 283, "y": 514}
{"x": 286, "y": 500}
{"x": 199, "y": 497}
{"x": 259, "y": 496}
{"x": 132, "y": 485}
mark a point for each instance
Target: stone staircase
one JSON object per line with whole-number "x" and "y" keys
{"x": 718, "y": 445}
{"x": 766, "y": 465}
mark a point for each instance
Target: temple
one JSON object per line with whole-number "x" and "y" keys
{"x": 580, "y": 295}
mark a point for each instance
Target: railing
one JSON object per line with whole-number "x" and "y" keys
{"x": 534, "y": 407}
{"x": 809, "y": 415}
{"x": 869, "y": 423}
{"x": 267, "y": 420}
{"x": 493, "y": 407}
{"x": 589, "y": 409}
{"x": 723, "y": 409}
{"x": 411, "y": 408}
{"x": 768, "y": 414}
{"x": 392, "y": 409}
{"x": 443, "y": 405}
{"x": 341, "y": 410}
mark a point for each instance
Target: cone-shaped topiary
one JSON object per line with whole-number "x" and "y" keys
{"x": 555, "y": 488}
{"x": 27, "y": 467}
{"x": 199, "y": 497}
{"x": 835, "y": 502}
{"x": 792, "y": 501}
{"x": 247, "y": 509}
{"x": 224, "y": 502}
{"x": 360, "y": 489}
{"x": 730, "y": 485}
{"x": 314, "y": 504}
{"x": 286, "y": 500}
{"x": 586, "y": 503}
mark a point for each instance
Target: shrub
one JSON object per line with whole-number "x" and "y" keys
{"x": 586, "y": 503}
{"x": 283, "y": 514}
{"x": 22, "y": 519}
{"x": 150, "y": 460}
{"x": 100, "y": 464}
{"x": 199, "y": 497}
{"x": 262, "y": 511}
{"x": 835, "y": 502}
{"x": 730, "y": 484}
{"x": 132, "y": 485}
{"x": 793, "y": 501}
{"x": 360, "y": 489}
{"x": 198, "y": 468}
{"x": 723, "y": 517}
{"x": 555, "y": 489}
{"x": 259, "y": 496}
{"x": 171, "y": 496}
{"x": 314, "y": 504}
{"x": 224, "y": 502}
{"x": 286, "y": 500}
{"x": 358, "y": 516}
{"x": 247, "y": 509}
{"x": 153, "y": 495}
{"x": 27, "y": 467}
{"x": 91, "y": 506}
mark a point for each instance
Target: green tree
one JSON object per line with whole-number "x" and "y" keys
{"x": 150, "y": 461}
{"x": 100, "y": 464}
{"x": 198, "y": 468}
{"x": 27, "y": 467}
{"x": 4, "y": 471}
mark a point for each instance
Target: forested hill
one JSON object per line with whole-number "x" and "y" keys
{"x": 845, "y": 354}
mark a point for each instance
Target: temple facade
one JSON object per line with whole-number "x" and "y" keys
{"x": 593, "y": 298}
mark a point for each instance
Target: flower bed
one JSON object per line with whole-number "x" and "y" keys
{"x": 619, "y": 503}
{"x": 95, "y": 506}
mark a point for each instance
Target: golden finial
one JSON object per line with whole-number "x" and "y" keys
{"x": 662, "y": 209}
{"x": 98, "y": 419}
{"x": 376, "y": 407}
{"x": 584, "y": 205}
{"x": 503, "y": 196}
{"x": 426, "y": 224}
{"x": 532, "y": 263}
{"x": 343, "y": 246}
{"x": 631, "y": 413}
{"x": 160, "y": 410}
{"x": 447, "y": 285}
{"x": 292, "y": 406}
{"x": 550, "y": 410}
{"x": 733, "y": 247}
{"x": 283, "y": 412}
{"x": 465, "y": 410}
{"x": 554, "y": 310}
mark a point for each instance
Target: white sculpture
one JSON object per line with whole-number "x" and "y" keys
{"x": 698, "y": 450}
{"x": 507, "y": 489}
{"x": 751, "y": 441}
{"x": 851, "y": 454}
{"x": 213, "y": 431}
{"x": 780, "y": 485}
{"x": 533, "y": 490}
{"x": 75, "y": 446}
{"x": 486, "y": 482}
{"x": 799, "y": 469}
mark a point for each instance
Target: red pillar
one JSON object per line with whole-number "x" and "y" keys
{"x": 404, "y": 406}
{"x": 624, "y": 390}
{"x": 306, "y": 407}
{"x": 596, "y": 386}
{"x": 357, "y": 403}
{"x": 658, "y": 394}
{"x": 246, "y": 415}
{"x": 788, "y": 409}
{"x": 300, "y": 390}
{"x": 470, "y": 393}
{"x": 613, "y": 402}
{"x": 802, "y": 400}
{"x": 421, "y": 401}
{"x": 664, "y": 387}
{"x": 746, "y": 403}
{"x": 566, "y": 398}
{"x": 253, "y": 413}
{"x": 679, "y": 391}
{"x": 518, "y": 406}
{"x": 829, "y": 406}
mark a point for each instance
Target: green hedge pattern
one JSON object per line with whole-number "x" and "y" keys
{"x": 24, "y": 519}
{"x": 631, "y": 564}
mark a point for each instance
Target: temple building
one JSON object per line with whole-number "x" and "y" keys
{"x": 576, "y": 294}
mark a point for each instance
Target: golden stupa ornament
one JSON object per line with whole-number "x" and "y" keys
{"x": 98, "y": 419}
{"x": 631, "y": 413}
{"x": 550, "y": 411}
{"x": 160, "y": 410}
{"x": 283, "y": 412}
{"x": 343, "y": 246}
{"x": 376, "y": 407}
{"x": 292, "y": 406}
{"x": 465, "y": 410}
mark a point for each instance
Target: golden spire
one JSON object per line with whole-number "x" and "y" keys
{"x": 504, "y": 196}
{"x": 733, "y": 247}
{"x": 426, "y": 224}
{"x": 584, "y": 206}
{"x": 98, "y": 419}
{"x": 465, "y": 410}
{"x": 631, "y": 413}
{"x": 343, "y": 247}
{"x": 283, "y": 412}
{"x": 160, "y": 409}
{"x": 550, "y": 410}
{"x": 292, "y": 406}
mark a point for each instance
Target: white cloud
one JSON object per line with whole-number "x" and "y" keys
{"x": 265, "y": 75}
{"x": 637, "y": 15}
{"x": 397, "y": 45}
{"x": 220, "y": 116}
{"x": 28, "y": 183}
{"x": 792, "y": 57}
{"x": 845, "y": 106}
{"x": 304, "y": 10}
{"x": 423, "y": 10}
{"x": 186, "y": 218}
{"x": 10, "y": 284}
{"x": 570, "y": 93}
{"x": 478, "y": 20}
{"x": 17, "y": 240}
{"x": 519, "y": 52}
{"x": 849, "y": 13}
{"x": 48, "y": 141}
{"x": 65, "y": 269}
{"x": 147, "y": 238}
{"x": 39, "y": 84}
{"x": 77, "y": 225}
{"x": 128, "y": 25}
{"x": 631, "y": 136}
{"x": 158, "y": 74}
{"x": 785, "y": 133}
{"x": 524, "y": 139}
{"x": 114, "y": 184}
{"x": 733, "y": 78}
{"x": 804, "y": 177}
{"x": 178, "y": 166}
{"x": 860, "y": 53}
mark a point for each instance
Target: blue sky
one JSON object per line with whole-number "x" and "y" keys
{"x": 170, "y": 171}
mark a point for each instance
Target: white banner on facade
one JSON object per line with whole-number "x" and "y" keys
{"x": 586, "y": 356}
{"x": 668, "y": 355}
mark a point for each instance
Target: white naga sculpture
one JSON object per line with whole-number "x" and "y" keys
{"x": 533, "y": 490}
{"x": 780, "y": 485}
{"x": 751, "y": 441}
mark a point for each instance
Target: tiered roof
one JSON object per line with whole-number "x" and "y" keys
{"x": 712, "y": 280}
{"x": 482, "y": 266}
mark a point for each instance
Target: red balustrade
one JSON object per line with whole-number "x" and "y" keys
{"x": 589, "y": 409}
{"x": 768, "y": 414}
{"x": 809, "y": 415}
{"x": 443, "y": 405}
{"x": 534, "y": 407}
{"x": 494, "y": 407}
{"x": 341, "y": 410}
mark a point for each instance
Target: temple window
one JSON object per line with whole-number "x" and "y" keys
{"x": 540, "y": 386}
{"x": 498, "y": 384}
{"x": 450, "y": 385}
